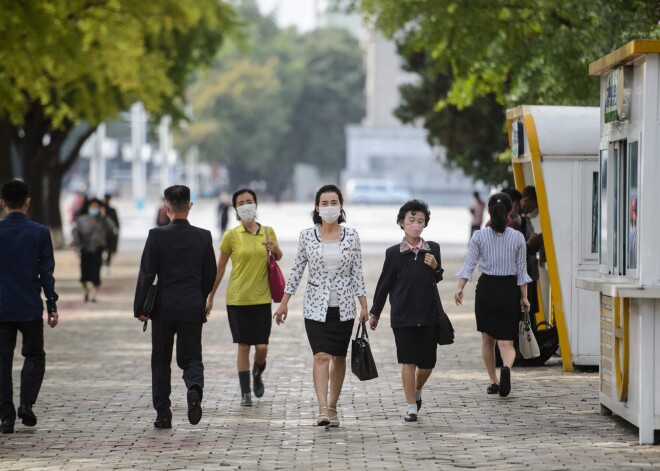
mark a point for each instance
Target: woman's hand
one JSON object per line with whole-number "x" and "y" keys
{"x": 364, "y": 315}
{"x": 524, "y": 304}
{"x": 458, "y": 296}
{"x": 281, "y": 313}
{"x": 373, "y": 322}
{"x": 429, "y": 259}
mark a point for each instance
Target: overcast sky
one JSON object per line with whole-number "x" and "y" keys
{"x": 299, "y": 13}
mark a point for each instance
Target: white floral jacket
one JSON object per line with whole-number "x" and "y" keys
{"x": 348, "y": 280}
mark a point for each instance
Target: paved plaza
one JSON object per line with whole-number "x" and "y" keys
{"x": 95, "y": 408}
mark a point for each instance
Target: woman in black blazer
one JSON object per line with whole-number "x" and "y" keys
{"x": 410, "y": 274}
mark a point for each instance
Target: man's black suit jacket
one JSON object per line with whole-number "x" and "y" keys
{"x": 183, "y": 259}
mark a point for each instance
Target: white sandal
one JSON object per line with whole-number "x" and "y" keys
{"x": 323, "y": 418}
{"x": 334, "y": 419}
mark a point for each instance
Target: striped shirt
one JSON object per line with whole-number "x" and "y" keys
{"x": 502, "y": 254}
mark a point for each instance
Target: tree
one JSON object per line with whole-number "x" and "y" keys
{"x": 331, "y": 96}
{"x": 63, "y": 63}
{"x": 284, "y": 100}
{"x": 514, "y": 51}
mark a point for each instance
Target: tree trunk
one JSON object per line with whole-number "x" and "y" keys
{"x": 6, "y": 171}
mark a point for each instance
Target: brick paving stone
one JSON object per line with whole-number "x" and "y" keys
{"x": 95, "y": 411}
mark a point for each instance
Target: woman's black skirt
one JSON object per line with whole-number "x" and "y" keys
{"x": 250, "y": 324}
{"x": 497, "y": 306}
{"x": 417, "y": 345}
{"x": 332, "y": 336}
{"x": 90, "y": 266}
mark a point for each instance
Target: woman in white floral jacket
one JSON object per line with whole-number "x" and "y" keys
{"x": 335, "y": 277}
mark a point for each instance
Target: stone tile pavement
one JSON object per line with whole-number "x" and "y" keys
{"x": 95, "y": 409}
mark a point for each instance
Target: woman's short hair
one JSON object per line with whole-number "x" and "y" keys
{"x": 328, "y": 189}
{"x": 238, "y": 193}
{"x": 413, "y": 206}
{"x": 499, "y": 207}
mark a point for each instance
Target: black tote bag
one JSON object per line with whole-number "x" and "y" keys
{"x": 149, "y": 304}
{"x": 362, "y": 361}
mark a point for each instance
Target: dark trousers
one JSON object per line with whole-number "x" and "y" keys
{"x": 188, "y": 357}
{"x": 34, "y": 366}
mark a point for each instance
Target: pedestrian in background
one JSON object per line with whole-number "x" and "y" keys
{"x": 248, "y": 293}
{"x": 113, "y": 235}
{"x": 90, "y": 236}
{"x": 181, "y": 258}
{"x": 501, "y": 293}
{"x": 223, "y": 214}
{"x": 410, "y": 273}
{"x": 477, "y": 211}
{"x": 334, "y": 256}
{"x": 162, "y": 219}
{"x": 26, "y": 268}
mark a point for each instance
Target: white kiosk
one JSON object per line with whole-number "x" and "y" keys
{"x": 555, "y": 148}
{"x": 628, "y": 282}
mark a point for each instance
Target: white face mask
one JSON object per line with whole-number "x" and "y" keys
{"x": 247, "y": 212}
{"x": 330, "y": 213}
{"x": 533, "y": 214}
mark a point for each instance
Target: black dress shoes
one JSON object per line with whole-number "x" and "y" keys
{"x": 163, "y": 422}
{"x": 505, "y": 381}
{"x": 419, "y": 404}
{"x": 410, "y": 417}
{"x": 7, "y": 426}
{"x": 493, "y": 389}
{"x": 194, "y": 406}
{"x": 26, "y": 415}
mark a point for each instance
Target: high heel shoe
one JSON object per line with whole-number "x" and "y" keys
{"x": 323, "y": 418}
{"x": 334, "y": 420}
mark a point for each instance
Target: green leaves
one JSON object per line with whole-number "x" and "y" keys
{"x": 506, "y": 52}
{"x": 276, "y": 99}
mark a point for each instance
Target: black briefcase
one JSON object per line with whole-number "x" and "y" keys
{"x": 149, "y": 303}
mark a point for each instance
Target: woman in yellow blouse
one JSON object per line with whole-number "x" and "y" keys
{"x": 248, "y": 294}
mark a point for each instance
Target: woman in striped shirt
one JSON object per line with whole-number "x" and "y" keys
{"x": 501, "y": 292}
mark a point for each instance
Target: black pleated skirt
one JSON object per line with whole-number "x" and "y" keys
{"x": 250, "y": 325}
{"x": 497, "y": 306}
{"x": 332, "y": 336}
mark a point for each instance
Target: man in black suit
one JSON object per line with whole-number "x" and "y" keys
{"x": 181, "y": 256}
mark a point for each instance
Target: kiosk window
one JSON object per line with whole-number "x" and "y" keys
{"x": 595, "y": 205}
{"x": 632, "y": 204}
{"x": 603, "y": 252}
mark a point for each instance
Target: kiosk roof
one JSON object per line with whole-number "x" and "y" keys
{"x": 624, "y": 55}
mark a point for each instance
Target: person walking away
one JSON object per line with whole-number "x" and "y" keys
{"x": 248, "y": 293}
{"x": 477, "y": 211}
{"x": 409, "y": 277}
{"x": 223, "y": 214}
{"x": 335, "y": 278}
{"x": 501, "y": 292}
{"x": 26, "y": 269}
{"x": 113, "y": 235}
{"x": 90, "y": 236}
{"x": 181, "y": 259}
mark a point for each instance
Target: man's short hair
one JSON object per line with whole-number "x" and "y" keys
{"x": 177, "y": 198}
{"x": 14, "y": 193}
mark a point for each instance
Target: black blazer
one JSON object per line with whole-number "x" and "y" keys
{"x": 182, "y": 258}
{"x": 411, "y": 286}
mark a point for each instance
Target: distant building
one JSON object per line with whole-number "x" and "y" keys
{"x": 381, "y": 148}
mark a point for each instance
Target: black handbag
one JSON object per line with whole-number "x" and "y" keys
{"x": 149, "y": 303}
{"x": 362, "y": 361}
{"x": 445, "y": 329}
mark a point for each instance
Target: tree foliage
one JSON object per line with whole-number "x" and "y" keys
{"x": 65, "y": 62}
{"x": 505, "y": 52}
{"x": 283, "y": 100}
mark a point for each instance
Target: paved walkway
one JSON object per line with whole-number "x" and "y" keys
{"x": 95, "y": 407}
